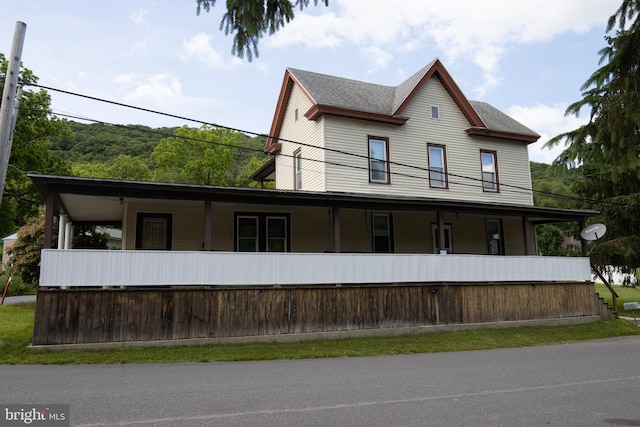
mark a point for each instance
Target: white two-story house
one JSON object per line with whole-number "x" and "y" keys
{"x": 393, "y": 207}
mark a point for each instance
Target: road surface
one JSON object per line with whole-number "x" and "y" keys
{"x": 595, "y": 383}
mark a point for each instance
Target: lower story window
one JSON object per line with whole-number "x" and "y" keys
{"x": 262, "y": 232}
{"x": 153, "y": 231}
{"x": 382, "y": 233}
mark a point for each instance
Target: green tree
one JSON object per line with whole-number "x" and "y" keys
{"x": 248, "y": 21}
{"x": 198, "y": 156}
{"x": 122, "y": 167}
{"x": 25, "y": 254}
{"x": 30, "y": 152}
{"x": 607, "y": 148}
{"x": 88, "y": 237}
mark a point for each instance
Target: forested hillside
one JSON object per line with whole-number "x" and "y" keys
{"x": 180, "y": 154}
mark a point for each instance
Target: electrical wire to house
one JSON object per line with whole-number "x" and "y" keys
{"x": 475, "y": 181}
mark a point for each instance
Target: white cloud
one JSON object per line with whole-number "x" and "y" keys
{"x": 200, "y": 49}
{"x": 160, "y": 90}
{"x": 124, "y": 78}
{"x": 139, "y": 17}
{"x": 548, "y": 121}
{"x": 464, "y": 29}
{"x": 140, "y": 47}
{"x": 382, "y": 57}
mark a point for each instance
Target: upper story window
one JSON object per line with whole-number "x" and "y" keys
{"x": 295, "y": 115}
{"x": 382, "y": 232}
{"x": 437, "y": 166}
{"x": 297, "y": 170}
{"x": 435, "y": 112}
{"x": 378, "y": 160}
{"x": 490, "y": 180}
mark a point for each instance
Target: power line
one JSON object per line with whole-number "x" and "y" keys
{"x": 511, "y": 187}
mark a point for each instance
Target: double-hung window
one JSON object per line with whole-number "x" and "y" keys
{"x": 262, "y": 232}
{"x": 490, "y": 180}
{"x": 382, "y": 231}
{"x": 297, "y": 170}
{"x": 437, "y": 166}
{"x": 379, "y": 160}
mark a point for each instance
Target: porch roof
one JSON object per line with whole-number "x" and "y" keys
{"x": 100, "y": 200}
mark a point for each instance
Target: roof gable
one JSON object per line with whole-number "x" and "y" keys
{"x": 343, "y": 97}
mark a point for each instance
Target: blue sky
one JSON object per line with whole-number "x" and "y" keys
{"x": 528, "y": 59}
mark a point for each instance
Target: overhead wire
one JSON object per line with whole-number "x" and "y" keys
{"x": 512, "y": 188}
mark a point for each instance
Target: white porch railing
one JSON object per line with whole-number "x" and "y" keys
{"x": 78, "y": 267}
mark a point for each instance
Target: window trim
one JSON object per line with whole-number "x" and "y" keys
{"x": 443, "y": 148}
{"x": 297, "y": 169}
{"x": 140, "y": 218}
{"x": 496, "y": 174}
{"x": 448, "y": 229}
{"x": 389, "y": 230}
{"x": 262, "y": 228}
{"x": 387, "y": 170}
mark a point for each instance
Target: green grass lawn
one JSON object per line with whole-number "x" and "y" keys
{"x": 16, "y": 328}
{"x": 626, "y": 294}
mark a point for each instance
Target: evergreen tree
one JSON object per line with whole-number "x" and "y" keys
{"x": 607, "y": 148}
{"x": 248, "y": 21}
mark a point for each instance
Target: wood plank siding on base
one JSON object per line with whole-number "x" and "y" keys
{"x": 82, "y": 316}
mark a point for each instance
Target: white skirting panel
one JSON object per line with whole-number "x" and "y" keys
{"x": 78, "y": 267}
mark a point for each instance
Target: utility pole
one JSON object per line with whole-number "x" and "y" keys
{"x": 8, "y": 112}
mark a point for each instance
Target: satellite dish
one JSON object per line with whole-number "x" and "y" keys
{"x": 593, "y": 232}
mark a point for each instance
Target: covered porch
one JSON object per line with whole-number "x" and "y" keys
{"x": 325, "y": 279}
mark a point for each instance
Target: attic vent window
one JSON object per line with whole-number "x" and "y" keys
{"x": 296, "y": 115}
{"x": 435, "y": 112}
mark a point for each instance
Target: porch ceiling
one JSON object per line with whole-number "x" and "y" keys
{"x": 87, "y": 208}
{"x": 86, "y": 199}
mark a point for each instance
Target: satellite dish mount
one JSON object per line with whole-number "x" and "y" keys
{"x": 593, "y": 233}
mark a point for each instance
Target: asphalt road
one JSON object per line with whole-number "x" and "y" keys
{"x": 595, "y": 383}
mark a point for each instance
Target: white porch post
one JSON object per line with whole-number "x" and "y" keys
{"x": 62, "y": 223}
{"x": 68, "y": 234}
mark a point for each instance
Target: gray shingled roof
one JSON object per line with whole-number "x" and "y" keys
{"x": 365, "y": 97}
{"x": 496, "y": 120}
{"x": 346, "y": 93}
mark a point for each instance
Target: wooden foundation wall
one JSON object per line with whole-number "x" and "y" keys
{"x": 78, "y": 316}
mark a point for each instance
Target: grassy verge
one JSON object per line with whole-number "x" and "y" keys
{"x": 626, "y": 294}
{"x": 16, "y": 326}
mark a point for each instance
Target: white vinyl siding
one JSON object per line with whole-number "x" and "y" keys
{"x": 307, "y": 132}
{"x": 408, "y": 145}
{"x": 311, "y": 229}
{"x": 187, "y": 229}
